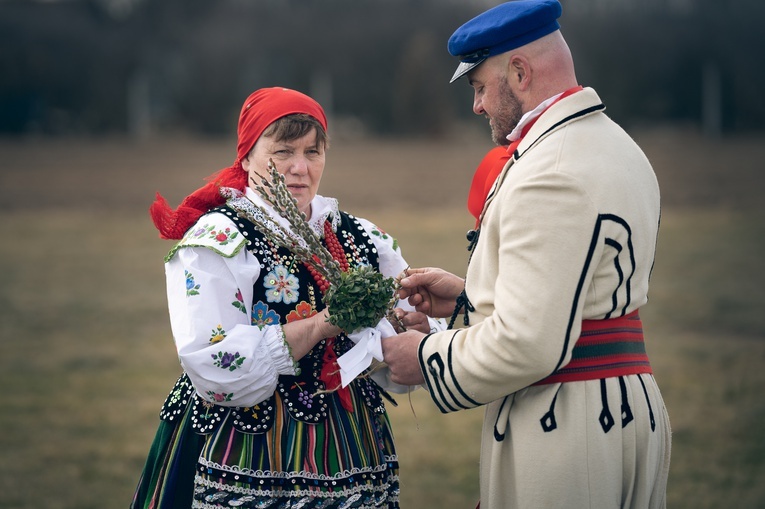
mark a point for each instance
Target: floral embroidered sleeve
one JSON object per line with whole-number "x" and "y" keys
{"x": 232, "y": 356}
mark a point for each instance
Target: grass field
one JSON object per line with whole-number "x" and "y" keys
{"x": 86, "y": 356}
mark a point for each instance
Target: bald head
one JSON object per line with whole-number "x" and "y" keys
{"x": 538, "y": 70}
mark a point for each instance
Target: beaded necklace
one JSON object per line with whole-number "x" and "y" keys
{"x": 336, "y": 250}
{"x": 330, "y": 371}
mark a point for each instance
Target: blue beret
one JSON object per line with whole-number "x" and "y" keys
{"x": 500, "y": 29}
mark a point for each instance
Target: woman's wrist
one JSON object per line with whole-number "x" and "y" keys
{"x": 326, "y": 329}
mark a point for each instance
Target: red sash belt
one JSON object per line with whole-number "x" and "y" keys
{"x": 606, "y": 348}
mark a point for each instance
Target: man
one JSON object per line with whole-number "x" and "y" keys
{"x": 552, "y": 343}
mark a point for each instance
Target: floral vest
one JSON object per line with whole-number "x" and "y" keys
{"x": 284, "y": 292}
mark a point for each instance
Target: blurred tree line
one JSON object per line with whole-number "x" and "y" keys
{"x": 378, "y": 66}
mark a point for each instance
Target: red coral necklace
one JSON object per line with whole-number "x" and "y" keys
{"x": 336, "y": 250}
{"x": 330, "y": 370}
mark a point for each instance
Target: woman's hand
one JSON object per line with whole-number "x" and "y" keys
{"x": 302, "y": 335}
{"x": 431, "y": 291}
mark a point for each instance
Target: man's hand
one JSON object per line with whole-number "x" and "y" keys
{"x": 400, "y": 354}
{"x": 411, "y": 320}
{"x": 431, "y": 291}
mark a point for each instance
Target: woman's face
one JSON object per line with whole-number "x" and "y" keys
{"x": 301, "y": 161}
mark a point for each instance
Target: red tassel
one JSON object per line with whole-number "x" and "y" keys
{"x": 172, "y": 224}
{"x": 330, "y": 375}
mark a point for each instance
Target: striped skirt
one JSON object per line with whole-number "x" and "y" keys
{"x": 348, "y": 460}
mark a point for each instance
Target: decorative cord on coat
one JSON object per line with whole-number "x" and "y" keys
{"x": 462, "y": 302}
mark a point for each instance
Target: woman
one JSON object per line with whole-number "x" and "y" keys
{"x": 259, "y": 418}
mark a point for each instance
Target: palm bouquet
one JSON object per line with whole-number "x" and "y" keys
{"x": 357, "y": 298}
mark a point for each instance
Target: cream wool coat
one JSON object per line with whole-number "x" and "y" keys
{"x": 568, "y": 233}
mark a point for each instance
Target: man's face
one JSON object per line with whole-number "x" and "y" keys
{"x": 495, "y": 99}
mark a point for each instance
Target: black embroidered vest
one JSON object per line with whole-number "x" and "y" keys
{"x": 284, "y": 289}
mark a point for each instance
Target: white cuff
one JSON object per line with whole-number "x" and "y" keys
{"x": 279, "y": 351}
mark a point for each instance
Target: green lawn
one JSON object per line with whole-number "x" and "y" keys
{"x": 86, "y": 357}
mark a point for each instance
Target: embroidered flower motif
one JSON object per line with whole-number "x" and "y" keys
{"x": 220, "y": 397}
{"x": 229, "y": 361}
{"x": 301, "y": 312}
{"x": 200, "y": 231}
{"x": 239, "y": 302}
{"x": 191, "y": 287}
{"x": 218, "y": 335}
{"x": 223, "y": 237}
{"x": 262, "y": 316}
{"x": 282, "y": 286}
{"x": 175, "y": 396}
{"x": 304, "y": 397}
{"x": 252, "y": 410}
{"x": 378, "y": 232}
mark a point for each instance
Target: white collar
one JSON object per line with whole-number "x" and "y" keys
{"x": 531, "y": 115}
{"x": 321, "y": 209}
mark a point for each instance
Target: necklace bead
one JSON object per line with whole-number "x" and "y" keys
{"x": 336, "y": 250}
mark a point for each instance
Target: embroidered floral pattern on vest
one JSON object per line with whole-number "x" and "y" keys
{"x": 286, "y": 291}
{"x": 262, "y": 315}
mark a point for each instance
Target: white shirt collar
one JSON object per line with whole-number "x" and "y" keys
{"x": 321, "y": 208}
{"x": 529, "y": 116}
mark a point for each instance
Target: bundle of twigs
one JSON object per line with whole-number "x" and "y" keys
{"x": 357, "y": 298}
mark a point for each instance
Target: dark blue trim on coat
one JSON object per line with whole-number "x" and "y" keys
{"x": 454, "y": 380}
{"x": 623, "y": 282}
{"x": 432, "y": 370}
{"x": 631, "y": 252}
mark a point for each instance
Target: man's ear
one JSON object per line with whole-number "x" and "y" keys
{"x": 519, "y": 72}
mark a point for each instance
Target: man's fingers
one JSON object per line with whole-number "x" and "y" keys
{"x": 415, "y": 299}
{"x": 417, "y": 277}
{"x": 423, "y": 307}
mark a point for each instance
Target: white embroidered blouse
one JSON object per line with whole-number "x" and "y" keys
{"x": 231, "y": 358}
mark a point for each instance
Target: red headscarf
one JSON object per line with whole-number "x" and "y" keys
{"x": 262, "y": 108}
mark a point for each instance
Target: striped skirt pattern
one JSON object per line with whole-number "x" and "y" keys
{"x": 346, "y": 461}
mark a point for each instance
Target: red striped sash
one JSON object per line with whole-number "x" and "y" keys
{"x": 606, "y": 348}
